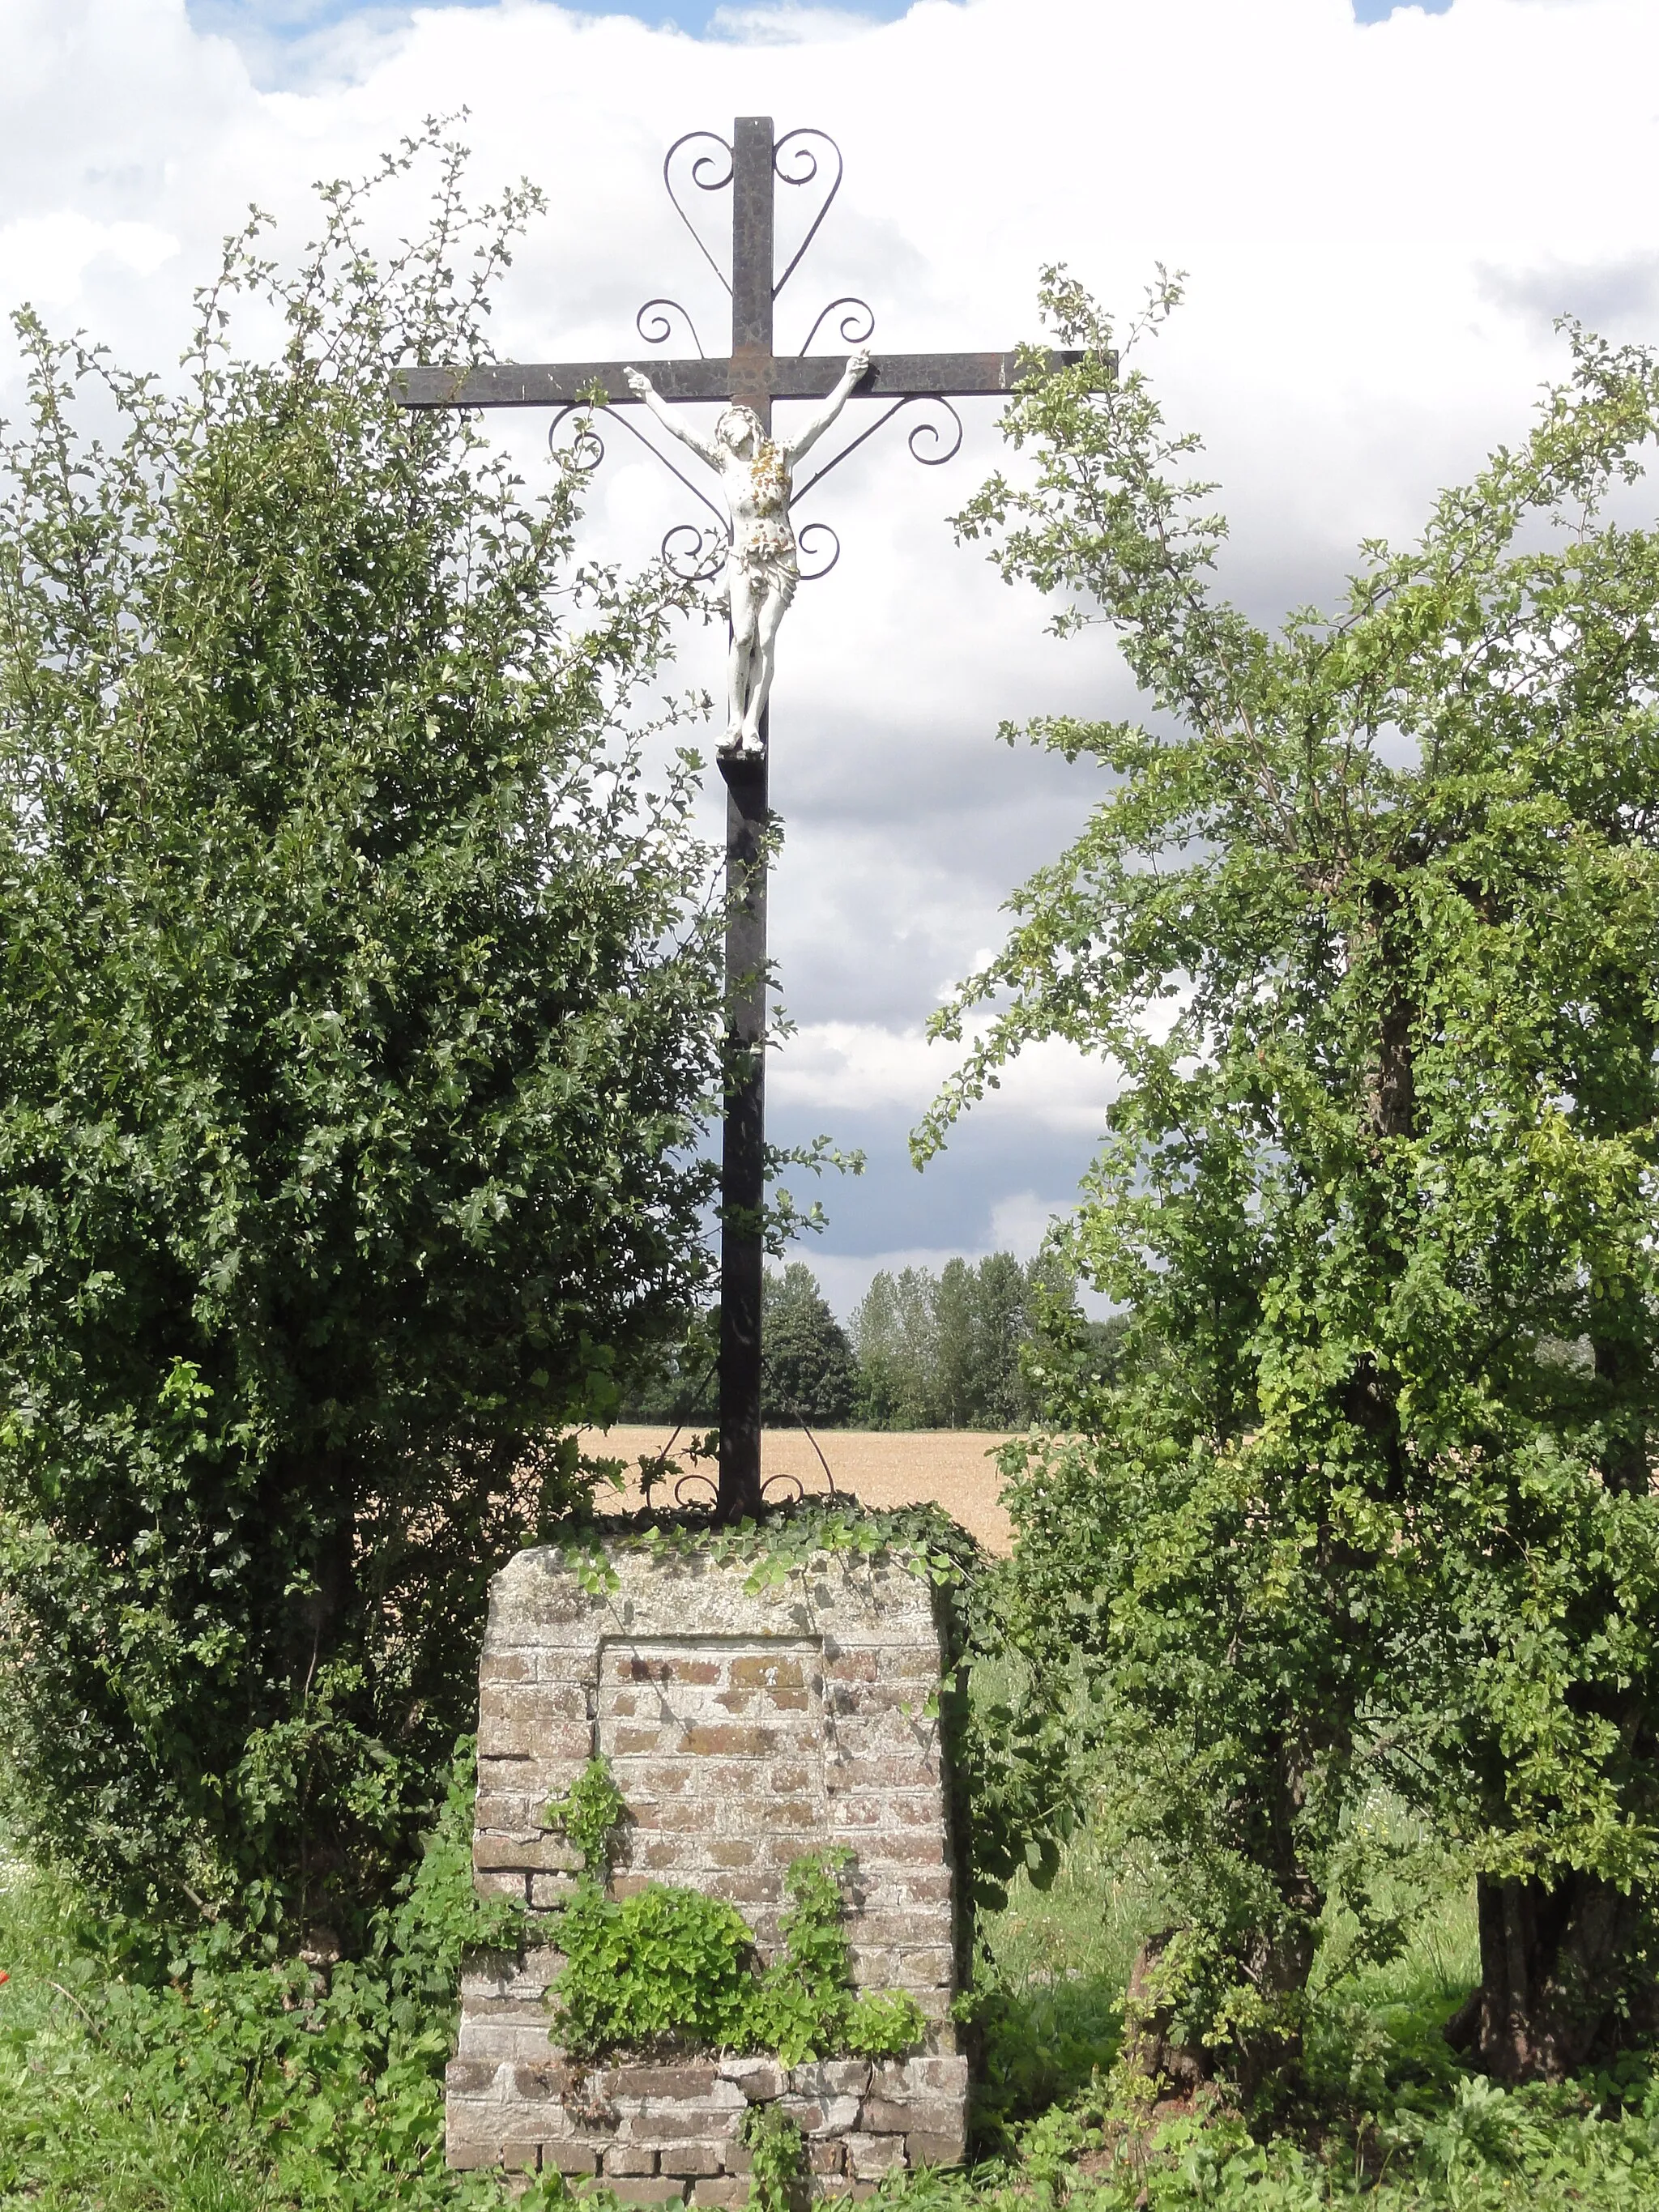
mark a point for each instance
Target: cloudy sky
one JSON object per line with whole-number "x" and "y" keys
{"x": 1380, "y": 209}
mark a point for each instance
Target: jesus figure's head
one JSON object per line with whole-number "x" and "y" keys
{"x": 739, "y": 429}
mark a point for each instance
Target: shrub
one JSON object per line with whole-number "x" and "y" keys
{"x": 361, "y": 1005}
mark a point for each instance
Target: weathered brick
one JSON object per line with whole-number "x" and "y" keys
{"x": 669, "y": 2081}
{"x": 943, "y": 2148}
{"x": 670, "y": 2127}
{"x": 822, "y": 2115}
{"x": 760, "y": 1671}
{"x": 663, "y": 2190}
{"x": 498, "y": 2042}
{"x": 831, "y": 2077}
{"x": 628, "y": 1742}
{"x": 826, "y": 2157}
{"x": 909, "y": 2079}
{"x": 540, "y": 1853}
{"x": 716, "y": 1740}
{"x": 521, "y": 2157}
{"x": 693, "y": 2160}
{"x": 723, "y": 2191}
{"x": 469, "y": 2077}
{"x": 569, "y": 2154}
{"x": 868, "y": 2157}
{"x": 759, "y": 2079}
{"x": 490, "y": 1882}
{"x": 465, "y": 2154}
{"x": 538, "y": 2084}
{"x": 631, "y": 2158}
{"x": 731, "y": 1852}
{"x": 891, "y": 1771}
{"x": 884, "y": 2117}
{"x": 667, "y": 1669}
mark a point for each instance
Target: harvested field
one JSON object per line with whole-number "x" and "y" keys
{"x": 948, "y": 1466}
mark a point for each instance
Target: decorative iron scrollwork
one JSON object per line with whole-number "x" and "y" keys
{"x": 704, "y": 183}
{"x": 692, "y": 1476}
{"x": 586, "y": 447}
{"x": 922, "y": 430}
{"x": 821, "y": 564}
{"x": 805, "y": 161}
{"x": 662, "y": 313}
{"x": 701, "y": 559}
{"x": 693, "y": 563}
{"x": 858, "y": 310}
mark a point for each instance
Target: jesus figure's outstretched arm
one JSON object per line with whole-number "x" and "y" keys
{"x": 642, "y": 388}
{"x": 811, "y": 431}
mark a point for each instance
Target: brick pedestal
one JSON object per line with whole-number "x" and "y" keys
{"x": 743, "y": 1730}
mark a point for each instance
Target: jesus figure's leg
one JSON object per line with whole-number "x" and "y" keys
{"x": 740, "y": 659}
{"x": 772, "y": 610}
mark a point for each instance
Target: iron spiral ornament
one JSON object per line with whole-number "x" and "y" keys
{"x": 857, "y": 325}
{"x": 804, "y": 162}
{"x": 660, "y": 327}
{"x": 717, "y": 182}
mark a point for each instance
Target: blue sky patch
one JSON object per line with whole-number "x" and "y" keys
{"x": 1378, "y": 11}
{"x": 297, "y": 19}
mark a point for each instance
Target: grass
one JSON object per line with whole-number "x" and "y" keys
{"x": 240, "y": 2086}
{"x": 80, "y": 2129}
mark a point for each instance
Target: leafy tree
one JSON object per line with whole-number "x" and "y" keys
{"x": 807, "y": 1372}
{"x": 895, "y": 1332}
{"x": 950, "y": 1351}
{"x": 1370, "y": 1502}
{"x": 676, "y": 1381}
{"x": 361, "y": 1005}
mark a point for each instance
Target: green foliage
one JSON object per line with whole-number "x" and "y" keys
{"x": 590, "y": 1815}
{"x": 362, "y": 1005}
{"x": 667, "y": 1966}
{"x": 227, "y": 2078}
{"x": 239, "y": 2091}
{"x": 677, "y": 1383}
{"x": 954, "y": 1351}
{"x": 664, "y": 1967}
{"x": 808, "y": 1372}
{"x": 1366, "y": 919}
{"x": 780, "y": 2158}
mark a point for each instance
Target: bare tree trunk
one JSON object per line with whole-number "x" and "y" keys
{"x": 1557, "y": 1991}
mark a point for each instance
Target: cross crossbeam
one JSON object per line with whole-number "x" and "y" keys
{"x": 801, "y": 376}
{"x": 752, "y": 375}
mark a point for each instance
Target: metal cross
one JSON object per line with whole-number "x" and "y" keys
{"x": 753, "y": 375}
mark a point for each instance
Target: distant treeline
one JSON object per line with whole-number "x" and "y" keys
{"x": 924, "y": 1351}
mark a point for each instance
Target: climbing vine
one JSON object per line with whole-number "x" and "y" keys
{"x": 1009, "y": 1759}
{"x": 670, "y": 1966}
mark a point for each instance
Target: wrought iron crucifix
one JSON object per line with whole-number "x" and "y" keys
{"x": 752, "y": 376}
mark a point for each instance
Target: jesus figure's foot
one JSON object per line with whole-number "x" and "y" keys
{"x": 731, "y": 745}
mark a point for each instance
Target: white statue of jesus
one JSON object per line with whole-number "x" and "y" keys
{"x": 761, "y": 570}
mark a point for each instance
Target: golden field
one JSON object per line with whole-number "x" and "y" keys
{"x": 951, "y": 1468}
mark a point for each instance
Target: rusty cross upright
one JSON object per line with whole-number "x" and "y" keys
{"x": 753, "y": 375}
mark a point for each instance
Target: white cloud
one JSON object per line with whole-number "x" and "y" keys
{"x": 861, "y": 1067}
{"x": 43, "y": 258}
{"x": 1377, "y": 223}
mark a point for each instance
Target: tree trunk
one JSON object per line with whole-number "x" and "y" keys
{"x": 1560, "y": 1985}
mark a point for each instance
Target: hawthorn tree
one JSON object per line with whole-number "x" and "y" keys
{"x": 361, "y": 1005}
{"x": 1369, "y": 917}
